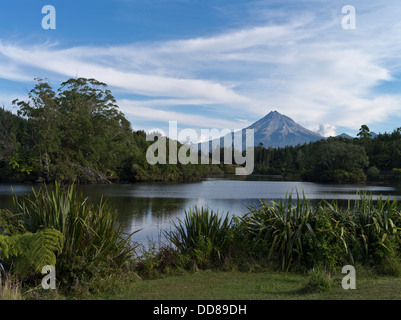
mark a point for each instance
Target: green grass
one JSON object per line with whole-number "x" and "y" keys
{"x": 266, "y": 285}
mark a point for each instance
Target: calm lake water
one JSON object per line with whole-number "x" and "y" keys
{"x": 153, "y": 207}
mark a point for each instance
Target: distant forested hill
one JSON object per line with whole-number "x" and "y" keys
{"x": 336, "y": 159}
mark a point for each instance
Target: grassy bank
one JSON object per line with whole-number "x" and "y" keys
{"x": 266, "y": 285}
{"x": 290, "y": 249}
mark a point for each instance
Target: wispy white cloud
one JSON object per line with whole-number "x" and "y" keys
{"x": 60, "y": 62}
{"x": 300, "y": 62}
{"x": 141, "y": 111}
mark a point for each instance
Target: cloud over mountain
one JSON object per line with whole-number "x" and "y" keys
{"x": 295, "y": 56}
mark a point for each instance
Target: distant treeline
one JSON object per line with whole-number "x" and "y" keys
{"x": 336, "y": 159}
{"x": 77, "y": 134}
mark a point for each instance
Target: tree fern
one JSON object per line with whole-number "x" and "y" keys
{"x": 93, "y": 238}
{"x": 30, "y": 252}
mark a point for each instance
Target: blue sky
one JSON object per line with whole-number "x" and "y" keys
{"x": 215, "y": 63}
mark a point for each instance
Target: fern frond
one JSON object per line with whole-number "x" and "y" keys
{"x": 30, "y": 252}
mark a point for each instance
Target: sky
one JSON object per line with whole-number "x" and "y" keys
{"x": 215, "y": 64}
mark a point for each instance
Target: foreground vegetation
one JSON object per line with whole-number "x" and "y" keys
{"x": 291, "y": 241}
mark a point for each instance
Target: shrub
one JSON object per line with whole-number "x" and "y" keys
{"x": 299, "y": 234}
{"x": 320, "y": 280}
{"x": 397, "y": 173}
{"x": 154, "y": 263}
{"x": 93, "y": 240}
{"x": 373, "y": 172}
{"x": 203, "y": 235}
{"x": 376, "y": 226}
{"x": 293, "y": 233}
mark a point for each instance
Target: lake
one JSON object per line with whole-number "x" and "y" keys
{"x": 153, "y": 207}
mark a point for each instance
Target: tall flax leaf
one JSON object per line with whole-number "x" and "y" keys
{"x": 93, "y": 239}
{"x": 200, "y": 226}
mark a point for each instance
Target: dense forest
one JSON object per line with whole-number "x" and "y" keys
{"x": 77, "y": 133}
{"x": 336, "y": 159}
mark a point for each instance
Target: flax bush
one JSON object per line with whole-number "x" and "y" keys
{"x": 93, "y": 243}
{"x": 203, "y": 235}
{"x": 301, "y": 235}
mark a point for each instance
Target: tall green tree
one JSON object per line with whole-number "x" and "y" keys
{"x": 42, "y": 112}
{"x": 15, "y": 145}
{"x": 77, "y": 129}
{"x": 92, "y": 124}
{"x": 364, "y": 132}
